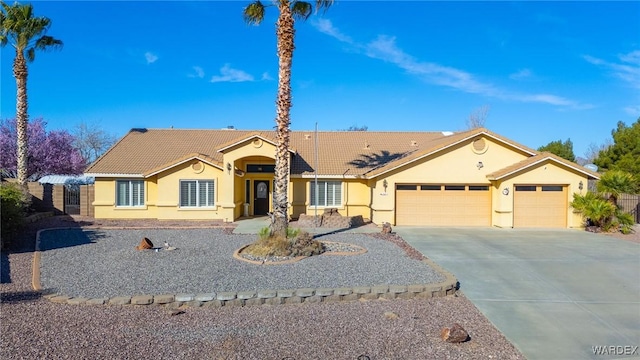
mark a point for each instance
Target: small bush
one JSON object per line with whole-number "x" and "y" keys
{"x": 12, "y": 210}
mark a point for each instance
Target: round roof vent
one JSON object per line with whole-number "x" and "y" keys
{"x": 479, "y": 145}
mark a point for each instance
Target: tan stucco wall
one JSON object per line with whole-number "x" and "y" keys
{"x": 105, "y": 200}
{"x": 356, "y": 197}
{"x": 368, "y": 198}
{"x": 456, "y": 165}
{"x": 546, "y": 173}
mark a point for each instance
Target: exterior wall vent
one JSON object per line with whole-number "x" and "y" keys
{"x": 447, "y": 133}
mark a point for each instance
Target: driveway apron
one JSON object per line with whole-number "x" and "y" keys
{"x": 555, "y": 294}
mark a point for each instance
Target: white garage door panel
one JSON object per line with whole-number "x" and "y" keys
{"x": 450, "y": 205}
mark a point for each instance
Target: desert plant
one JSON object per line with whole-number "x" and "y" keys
{"x": 299, "y": 243}
{"x": 602, "y": 212}
{"x": 12, "y": 210}
{"x": 625, "y": 221}
{"x": 615, "y": 183}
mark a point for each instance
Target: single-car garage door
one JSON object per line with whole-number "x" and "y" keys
{"x": 542, "y": 206}
{"x": 443, "y": 205}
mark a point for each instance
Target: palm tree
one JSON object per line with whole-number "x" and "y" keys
{"x": 615, "y": 183}
{"x": 290, "y": 10}
{"x": 26, "y": 33}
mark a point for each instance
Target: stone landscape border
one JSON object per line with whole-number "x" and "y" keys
{"x": 262, "y": 297}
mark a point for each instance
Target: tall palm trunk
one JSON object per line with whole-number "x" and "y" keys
{"x": 285, "y": 33}
{"x": 22, "y": 117}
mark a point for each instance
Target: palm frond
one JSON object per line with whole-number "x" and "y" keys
{"x": 301, "y": 10}
{"x": 47, "y": 42}
{"x": 253, "y": 14}
{"x": 323, "y": 5}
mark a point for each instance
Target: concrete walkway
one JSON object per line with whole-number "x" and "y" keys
{"x": 554, "y": 294}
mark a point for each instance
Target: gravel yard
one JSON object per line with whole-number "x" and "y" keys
{"x": 32, "y": 327}
{"x": 104, "y": 263}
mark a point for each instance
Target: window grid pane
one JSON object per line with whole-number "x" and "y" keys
{"x": 196, "y": 193}
{"x": 129, "y": 193}
{"x": 329, "y": 193}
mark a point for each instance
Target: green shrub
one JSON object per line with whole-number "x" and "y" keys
{"x": 12, "y": 210}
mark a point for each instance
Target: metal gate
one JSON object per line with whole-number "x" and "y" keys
{"x": 72, "y": 200}
{"x": 630, "y": 204}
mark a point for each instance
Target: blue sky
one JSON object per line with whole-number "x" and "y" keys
{"x": 546, "y": 70}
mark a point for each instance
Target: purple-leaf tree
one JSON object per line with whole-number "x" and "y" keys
{"x": 50, "y": 153}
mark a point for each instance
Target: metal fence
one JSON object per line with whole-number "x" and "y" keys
{"x": 630, "y": 204}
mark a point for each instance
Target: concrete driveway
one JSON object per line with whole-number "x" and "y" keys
{"x": 554, "y": 294}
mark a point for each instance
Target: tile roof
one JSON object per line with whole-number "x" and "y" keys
{"x": 144, "y": 152}
{"x": 349, "y": 153}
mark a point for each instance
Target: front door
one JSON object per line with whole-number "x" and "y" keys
{"x": 261, "y": 199}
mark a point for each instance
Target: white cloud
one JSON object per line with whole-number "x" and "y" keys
{"x": 384, "y": 48}
{"x": 151, "y": 57}
{"x": 266, "y": 76}
{"x": 522, "y": 74}
{"x": 633, "y": 110}
{"x": 325, "y": 26}
{"x": 228, "y": 74}
{"x": 626, "y": 69}
{"x": 198, "y": 72}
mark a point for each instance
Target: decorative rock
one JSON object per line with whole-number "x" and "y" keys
{"x": 254, "y": 301}
{"x": 273, "y": 301}
{"x": 342, "y": 291}
{"x": 205, "y": 297}
{"x": 324, "y": 292}
{"x": 398, "y": 289}
{"x": 380, "y": 289}
{"x": 120, "y": 300}
{"x": 214, "y": 304}
{"x": 185, "y": 297}
{"x": 267, "y": 294}
{"x": 246, "y": 294}
{"x": 455, "y": 334}
{"x": 97, "y": 301}
{"x": 390, "y": 315}
{"x": 361, "y": 290}
{"x": 386, "y": 228}
{"x": 224, "y": 296}
{"x": 305, "y": 292}
{"x": 286, "y": 293}
{"x": 77, "y": 301}
{"x": 142, "y": 300}
{"x": 163, "y": 299}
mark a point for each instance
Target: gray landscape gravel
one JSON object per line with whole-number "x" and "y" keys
{"x": 34, "y": 328}
{"x": 105, "y": 263}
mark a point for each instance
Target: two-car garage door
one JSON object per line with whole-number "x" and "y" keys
{"x": 543, "y": 206}
{"x": 443, "y": 205}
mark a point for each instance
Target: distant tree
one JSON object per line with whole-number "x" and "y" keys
{"x": 289, "y": 12}
{"x": 562, "y": 149}
{"x": 49, "y": 152}
{"x": 91, "y": 140}
{"x": 624, "y": 154}
{"x": 478, "y": 118}
{"x": 26, "y": 33}
{"x": 593, "y": 151}
{"x": 357, "y": 128}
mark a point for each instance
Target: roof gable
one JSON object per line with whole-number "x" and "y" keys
{"x": 171, "y": 164}
{"x": 536, "y": 160}
{"x": 443, "y": 144}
